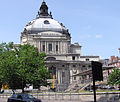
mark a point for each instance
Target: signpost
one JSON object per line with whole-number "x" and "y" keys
{"x": 97, "y": 75}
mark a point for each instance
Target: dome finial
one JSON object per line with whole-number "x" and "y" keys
{"x": 43, "y": 11}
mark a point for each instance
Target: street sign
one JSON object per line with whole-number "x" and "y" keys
{"x": 97, "y": 71}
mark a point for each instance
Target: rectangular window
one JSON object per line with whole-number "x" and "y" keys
{"x": 63, "y": 74}
{"x": 50, "y": 47}
{"x": 56, "y": 47}
{"x": 63, "y": 65}
{"x": 73, "y": 57}
{"x": 74, "y": 65}
{"x": 74, "y": 77}
{"x": 43, "y": 47}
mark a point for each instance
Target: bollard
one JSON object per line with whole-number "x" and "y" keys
{"x": 55, "y": 96}
{"x": 62, "y": 95}
{"x": 70, "y": 95}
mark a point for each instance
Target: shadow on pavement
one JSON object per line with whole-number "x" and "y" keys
{"x": 108, "y": 98}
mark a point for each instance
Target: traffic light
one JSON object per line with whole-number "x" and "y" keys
{"x": 97, "y": 71}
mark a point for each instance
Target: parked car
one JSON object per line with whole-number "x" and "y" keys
{"x": 23, "y": 98}
{"x": 111, "y": 87}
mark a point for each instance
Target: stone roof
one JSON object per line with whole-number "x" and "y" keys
{"x": 89, "y": 56}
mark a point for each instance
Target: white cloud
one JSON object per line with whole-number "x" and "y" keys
{"x": 88, "y": 36}
{"x": 85, "y": 36}
{"x": 98, "y": 36}
{"x": 87, "y": 27}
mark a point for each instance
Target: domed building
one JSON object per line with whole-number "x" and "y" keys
{"x": 63, "y": 58}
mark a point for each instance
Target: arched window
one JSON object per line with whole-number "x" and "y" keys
{"x": 50, "y": 58}
{"x": 52, "y": 70}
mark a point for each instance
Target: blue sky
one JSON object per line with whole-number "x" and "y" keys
{"x": 94, "y": 24}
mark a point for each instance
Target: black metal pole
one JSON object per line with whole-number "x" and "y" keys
{"x": 94, "y": 89}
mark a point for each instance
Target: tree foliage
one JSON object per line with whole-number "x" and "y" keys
{"x": 114, "y": 78}
{"x": 22, "y": 65}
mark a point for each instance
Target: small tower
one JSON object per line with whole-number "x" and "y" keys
{"x": 43, "y": 11}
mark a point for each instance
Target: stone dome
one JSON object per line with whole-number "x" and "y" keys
{"x": 44, "y": 22}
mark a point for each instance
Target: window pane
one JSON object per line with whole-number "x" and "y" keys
{"x": 73, "y": 57}
{"x": 63, "y": 74}
{"x": 56, "y": 47}
{"x": 43, "y": 47}
{"x": 50, "y": 47}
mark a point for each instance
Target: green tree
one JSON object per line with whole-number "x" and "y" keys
{"x": 22, "y": 65}
{"x": 8, "y": 63}
{"x": 114, "y": 78}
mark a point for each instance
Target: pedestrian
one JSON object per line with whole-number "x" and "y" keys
{"x": 13, "y": 92}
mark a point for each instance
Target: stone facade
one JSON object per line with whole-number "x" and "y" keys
{"x": 63, "y": 58}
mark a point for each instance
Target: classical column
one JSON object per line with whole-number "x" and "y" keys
{"x": 46, "y": 46}
{"x": 53, "y": 47}
{"x": 59, "y": 77}
{"x": 59, "y": 47}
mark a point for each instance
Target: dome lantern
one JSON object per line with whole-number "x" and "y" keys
{"x": 43, "y": 11}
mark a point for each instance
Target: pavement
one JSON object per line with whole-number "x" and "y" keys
{"x": 5, "y": 100}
